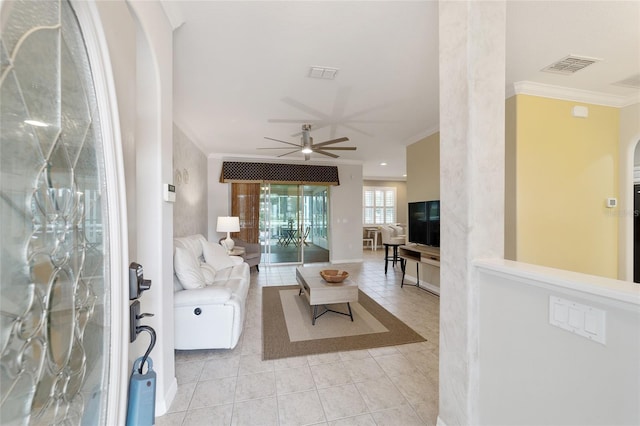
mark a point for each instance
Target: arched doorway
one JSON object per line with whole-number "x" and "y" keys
{"x": 636, "y": 214}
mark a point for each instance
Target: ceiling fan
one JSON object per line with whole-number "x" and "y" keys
{"x": 307, "y": 146}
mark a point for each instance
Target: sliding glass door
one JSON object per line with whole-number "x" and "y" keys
{"x": 293, "y": 223}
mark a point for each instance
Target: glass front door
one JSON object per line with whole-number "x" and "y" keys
{"x": 54, "y": 247}
{"x": 293, "y": 224}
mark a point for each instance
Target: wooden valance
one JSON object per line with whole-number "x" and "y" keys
{"x": 301, "y": 174}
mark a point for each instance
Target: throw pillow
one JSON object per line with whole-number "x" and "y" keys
{"x": 187, "y": 269}
{"x": 208, "y": 272}
{"x": 216, "y": 256}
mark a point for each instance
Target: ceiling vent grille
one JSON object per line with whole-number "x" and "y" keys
{"x": 324, "y": 73}
{"x": 570, "y": 64}
{"x": 633, "y": 81}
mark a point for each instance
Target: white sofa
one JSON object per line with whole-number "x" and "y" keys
{"x": 210, "y": 291}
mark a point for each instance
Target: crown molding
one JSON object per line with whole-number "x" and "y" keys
{"x": 422, "y": 135}
{"x": 569, "y": 94}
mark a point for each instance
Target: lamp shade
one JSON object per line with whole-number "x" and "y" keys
{"x": 228, "y": 224}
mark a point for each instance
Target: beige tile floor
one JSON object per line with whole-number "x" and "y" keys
{"x": 396, "y": 385}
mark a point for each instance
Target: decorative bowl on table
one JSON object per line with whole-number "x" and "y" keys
{"x": 334, "y": 276}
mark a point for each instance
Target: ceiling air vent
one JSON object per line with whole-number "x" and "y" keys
{"x": 325, "y": 73}
{"x": 633, "y": 81}
{"x": 570, "y": 64}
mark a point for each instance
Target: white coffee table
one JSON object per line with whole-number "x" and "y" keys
{"x": 319, "y": 292}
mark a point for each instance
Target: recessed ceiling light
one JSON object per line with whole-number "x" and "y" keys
{"x": 383, "y": 164}
{"x": 36, "y": 123}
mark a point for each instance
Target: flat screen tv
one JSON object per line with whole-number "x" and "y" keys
{"x": 424, "y": 223}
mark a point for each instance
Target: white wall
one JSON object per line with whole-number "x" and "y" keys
{"x": 140, "y": 45}
{"x": 534, "y": 373}
{"x": 154, "y": 151}
{"x": 122, "y": 51}
{"x": 345, "y": 207}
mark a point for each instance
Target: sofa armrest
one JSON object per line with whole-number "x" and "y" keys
{"x": 214, "y": 295}
{"x": 237, "y": 260}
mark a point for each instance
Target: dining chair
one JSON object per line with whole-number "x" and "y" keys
{"x": 303, "y": 237}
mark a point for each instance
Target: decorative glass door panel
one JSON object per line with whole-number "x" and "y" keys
{"x": 317, "y": 199}
{"x": 54, "y": 313}
{"x": 293, "y": 220}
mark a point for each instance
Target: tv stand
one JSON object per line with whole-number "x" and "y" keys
{"x": 429, "y": 258}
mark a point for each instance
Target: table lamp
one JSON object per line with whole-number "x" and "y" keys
{"x": 228, "y": 224}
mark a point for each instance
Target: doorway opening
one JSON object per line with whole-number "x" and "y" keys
{"x": 636, "y": 214}
{"x": 294, "y": 223}
{"x": 636, "y": 233}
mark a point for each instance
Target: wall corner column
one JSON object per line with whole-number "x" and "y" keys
{"x": 472, "y": 135}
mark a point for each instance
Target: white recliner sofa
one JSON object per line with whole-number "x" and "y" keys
{"x": 210, "y": 291}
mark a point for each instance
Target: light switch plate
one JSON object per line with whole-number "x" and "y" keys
{"x": 583, "y": 320}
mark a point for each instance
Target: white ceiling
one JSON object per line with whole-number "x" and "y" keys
{"x": 241, "y": 69}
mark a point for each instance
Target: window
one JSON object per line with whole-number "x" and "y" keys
{"x": 378, "y": 205}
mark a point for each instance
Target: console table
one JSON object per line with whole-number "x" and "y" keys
{"x": 427, "y": 256}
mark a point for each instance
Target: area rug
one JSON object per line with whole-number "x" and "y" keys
{"x": 287, "y": 329}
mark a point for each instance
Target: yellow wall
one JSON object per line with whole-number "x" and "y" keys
{"x": 566, "y": 167}
{"x": 510, "y": 180}
{"x": 423, "y": 184}
{"x": 629, "y": 138}
{"x": 423, "y": 169}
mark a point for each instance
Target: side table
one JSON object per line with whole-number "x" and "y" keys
{"x": 237, "y": 251}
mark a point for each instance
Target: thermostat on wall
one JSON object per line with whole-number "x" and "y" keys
{"x": 169, "y": 193}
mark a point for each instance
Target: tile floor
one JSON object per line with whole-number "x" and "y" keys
{"x": 396, "y": 385}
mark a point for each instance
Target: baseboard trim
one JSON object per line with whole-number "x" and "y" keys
{"x": 163, "y": 404}
{"x": 337, "y": 261}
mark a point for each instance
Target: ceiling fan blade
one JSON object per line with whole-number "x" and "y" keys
{"x": 332, "y": 141}
{"x": 278, "y": 140}
{"x": 340, "y": 148}
{"x": 287, "y": 153}
{"x": 328, "y": 154}
{"x": 276, "y": 147}
{"x": 293, "y": 120}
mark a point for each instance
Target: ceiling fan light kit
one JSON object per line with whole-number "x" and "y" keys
{"x": 307, "y": 147}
